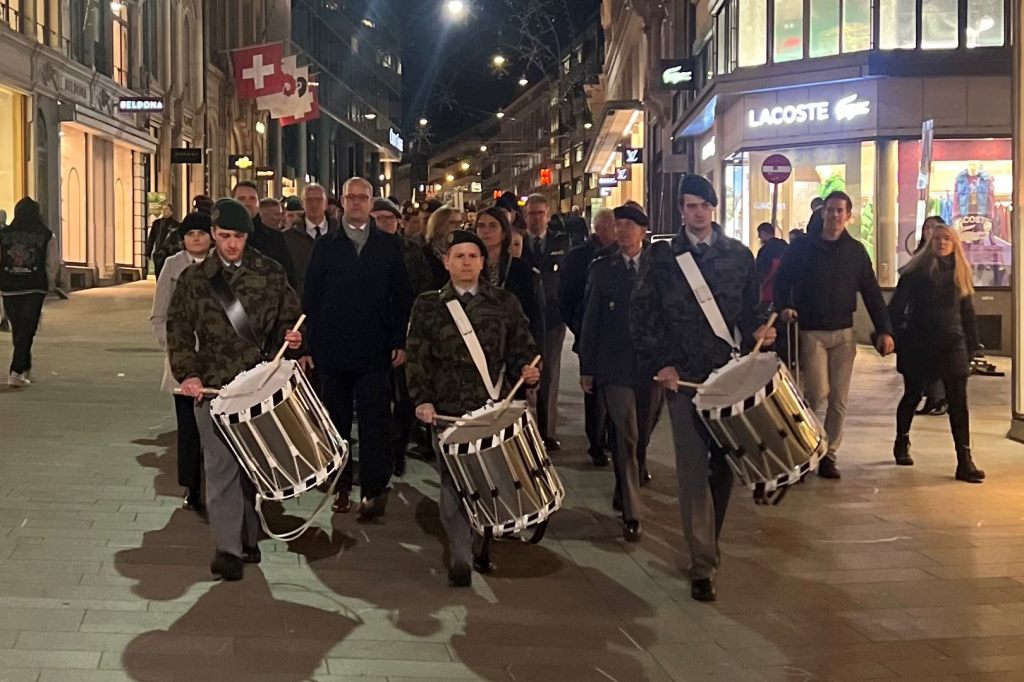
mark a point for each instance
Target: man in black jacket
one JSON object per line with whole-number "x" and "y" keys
{"x": 545, "y": 250}
{"x": 769, "y": 259}
{"x": 818, "y": 284}
{"x": 574, "y": 285}
{"x": 608, "y": 365}
{"x": 267, "y": 241}
{"x": 357, "y": 298}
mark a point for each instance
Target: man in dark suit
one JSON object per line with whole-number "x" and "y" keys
{"x": 608, "y": 363}
{"x": 545, "y": 251}
{"x": 574, "y": 285}
{"x": 267, "y": 241}
{"x": 357, "y": 298}
{"x": 300, "y": 237}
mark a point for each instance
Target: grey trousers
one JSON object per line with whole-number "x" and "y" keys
{"x": 826, "y": 359}
{"x": 550, "y": 377}
{"x": 463, "y": 542}
{"x": 230, "y": 495}
{"x": 705, "y": 483}
{"x": 634, "y": 412}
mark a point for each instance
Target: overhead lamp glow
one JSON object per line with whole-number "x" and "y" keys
{"x": 464, "y": 165}
{"x": 116, "y": 6}
{"x": 456, "y": 9}
{"x": 483, "y": 147}
{"x": 261, "y": 128}
{"x": 498, "y": 60}
{"x": 423, "y": 123}
{"x": 588, "y": 125}
{"x": 523, "y": 82}
{"x": 449, "y": 178}
{"x": 369, "y": 116}
{"x": 500, "y": 114}
{"x": 381, "y": 177}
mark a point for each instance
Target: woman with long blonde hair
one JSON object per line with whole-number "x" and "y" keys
{"x": 441, "y": 223}
{"x": 933, "y": 314}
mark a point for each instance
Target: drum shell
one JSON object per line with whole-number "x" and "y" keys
{"x": 772, "y": 438}
{"x": 507, "y": 482}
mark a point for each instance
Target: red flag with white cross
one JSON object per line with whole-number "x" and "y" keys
{"x": 258, "y": 70}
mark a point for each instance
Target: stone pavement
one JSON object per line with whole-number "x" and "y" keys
{"x": 889, "y": 574}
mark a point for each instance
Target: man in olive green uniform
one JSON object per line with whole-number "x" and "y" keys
{"x": 443, "y": 378}
{"x": 205, "y": 351}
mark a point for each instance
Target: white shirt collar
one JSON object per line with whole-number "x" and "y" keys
{"x": 460, "y": 291}
{"x": 709, "y": 240}
{"x": 311, "y": 227}
{"x": 635, "y": 259}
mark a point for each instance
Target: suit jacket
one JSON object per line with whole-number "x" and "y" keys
{"x": 300, "y": 249}
{"x": 271, "y": 244}
{"x": 549, "y": 264}
{"x": 606, "y": 345}
{"x": 522, "y": 281}
{"x": 574, "y": 283}
{"x": 357, "y": 304}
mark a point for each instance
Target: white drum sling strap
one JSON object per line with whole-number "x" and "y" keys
{"x": 706, "y": 299}
{"x": 475, "y": 350}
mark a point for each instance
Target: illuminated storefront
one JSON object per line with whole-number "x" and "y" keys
{"x": 1017, "y": 96}
{"x": 615, "y": 163}
{"x": 13, "y": 140}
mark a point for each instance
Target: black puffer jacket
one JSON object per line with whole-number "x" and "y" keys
{"x": 935, "y": 327}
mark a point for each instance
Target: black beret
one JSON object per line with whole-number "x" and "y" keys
{"x": 466, "y": 237}
{"x": 292, "y": 203}
{"x": 230, "y": 214}
{"x": 699, "y": 186}
{"x": 195, "y": 221}
{"x": 633, "y": 213}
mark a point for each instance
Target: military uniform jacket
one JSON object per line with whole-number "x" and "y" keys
{"x": 668, "y": 326}
{"x": 201, "y": 341}
{"x": 440, "y": 370}
{"x": 606, "y": 347}
{"x": 549, "y": 264}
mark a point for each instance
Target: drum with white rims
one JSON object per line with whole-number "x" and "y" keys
{"x": 754, "y": 410}
{"x": 281, "y": 434}
{"x": 501, "y": 471}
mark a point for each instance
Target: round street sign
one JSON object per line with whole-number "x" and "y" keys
{"x": 776, "y": 169}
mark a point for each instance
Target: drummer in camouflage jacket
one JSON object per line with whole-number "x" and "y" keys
{"x": 443, "y": 380}
{"x": 674, "y": 341}
{"x": 204, "y": 350}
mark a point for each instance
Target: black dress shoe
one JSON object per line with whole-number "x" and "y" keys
{"x": 703, "y": 590}
{"x": 460, "y": 575}
{"x": 372, "y": 507}
{"x": 399, "y": 469}
{"x": 484, "y": 565}
{"x": 552, "y": 444}
{"x": 828, "y": 469}
{"x": 227, "y": 566}
{"x": 632, "y": 531}
{"x": 645, "y": 477}
{"x": 600, "y": 458}
{"x": 343, "y": 502}
{"x": 251, "y": 555}
{"x": 193, "y": 501}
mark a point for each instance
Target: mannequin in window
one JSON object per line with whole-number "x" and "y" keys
{"x": 973, "y": 192}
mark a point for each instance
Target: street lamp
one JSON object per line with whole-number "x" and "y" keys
{"x": 523, "y": 82}
{"x": 370, "y": 116}
{"x": 464, "y": 165}
{"x": 449, "y": 178}
{"x": 423, "y": 123}
{"x": 456, "y": 9}
{"x": 483, "y": 148}
{"x": 588, "y": 125}
{"x": 500, "y": 114}
{"x": 498, "y": 60}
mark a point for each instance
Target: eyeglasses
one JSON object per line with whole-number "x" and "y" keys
{"x": 357, "y": 197}
{"x": 386, "y": 218}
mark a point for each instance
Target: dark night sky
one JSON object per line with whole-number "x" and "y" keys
{"x": 447, "y": 72}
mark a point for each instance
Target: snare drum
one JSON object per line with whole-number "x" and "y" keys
{"x": 501, "y": 470}
{"x": 754, "y": 410}
{"x": 281, "y": 434}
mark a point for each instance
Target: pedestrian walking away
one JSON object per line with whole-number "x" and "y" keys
{"x": 29, "y": 264}
{"x": 205, "y": 351}
{"x": 933, "y": 317}
{"x": 818, "y": 284}
{"x": 675, "y": 341}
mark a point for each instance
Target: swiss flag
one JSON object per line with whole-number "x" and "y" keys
{"x": 258, "y": 70}
{"x": 312, "y": 113}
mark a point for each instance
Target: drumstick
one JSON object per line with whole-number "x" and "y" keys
{"x": 690, "y": 384}
{"x": 520, "y": 382}
{"x": 206, "y": 391}
{"x": 769, "y": 323}
{"x": 446, "y": 418}
{"x": 277, "y": 358}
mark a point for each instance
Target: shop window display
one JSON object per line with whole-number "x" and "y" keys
{"x": 985, "y": 23}
{"x": 824, "y": 34}
{"x": 939, "y": 29}
{"x": 971, "y": 187}
{"x": 898, "y": 24}
{"x": 817, "y": 171}
{"x": 789, "y": 31}
{"x": 753, "y": 32}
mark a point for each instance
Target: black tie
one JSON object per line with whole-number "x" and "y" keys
{"x": 318, "y": 233}
{"x": 466, "y": 298}
{"x": 702, "y": 248}
{"x": 538, "y": 245}
{"x": 632, "y": 268}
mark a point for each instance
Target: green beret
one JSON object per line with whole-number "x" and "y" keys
{"x": 466, "y": 237}
{"x": 229, "y": 214}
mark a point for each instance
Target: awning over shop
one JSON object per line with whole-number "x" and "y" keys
{"x": 70, "y": 112}
{"x": 616, "y": 121}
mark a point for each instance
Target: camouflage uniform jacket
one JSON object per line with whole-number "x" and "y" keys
{"x": 667, "y": 323}
{"x": 201, "y": 341}
{"x": 440, "y": 369}
{"x": 416, "y": 264}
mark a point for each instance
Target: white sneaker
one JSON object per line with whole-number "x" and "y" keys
{"x": 18, "y": 380}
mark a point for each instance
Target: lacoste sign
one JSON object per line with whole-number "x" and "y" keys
{"x": 846, "y": 109}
